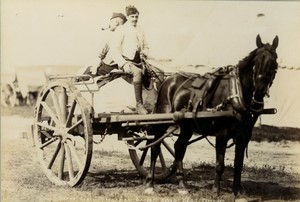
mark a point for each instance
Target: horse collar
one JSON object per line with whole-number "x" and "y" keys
{"x": 236, "y": 95}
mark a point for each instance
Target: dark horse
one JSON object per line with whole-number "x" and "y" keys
{"x": 240, "y": 89}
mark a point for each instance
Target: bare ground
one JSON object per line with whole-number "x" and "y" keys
{"x": 112, "y": 176}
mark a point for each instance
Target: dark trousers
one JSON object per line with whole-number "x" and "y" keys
{"x": 104, "y": 69}
{"x": 136, "y": 59}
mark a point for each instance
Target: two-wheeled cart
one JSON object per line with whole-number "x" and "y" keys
{"x": 66, "y": 122}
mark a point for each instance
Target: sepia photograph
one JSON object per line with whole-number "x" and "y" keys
{"x": 150, "y": 101}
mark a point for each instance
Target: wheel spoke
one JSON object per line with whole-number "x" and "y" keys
{"x": 54, "y": 155}
{"x": 46, "y": 134}
{"x": 55, "y": 102}
{"x": 50, "y": 112}
{"x": 46, "y": 126}
{"x": 137, "y": 143}
{"x": 75, "y": 125}
{"x": 69, "y": 161}
{"x": 48, "y": 143}
{"x": 61, "y": 163}
{"x": 168, "y": 148}
{"x": 143, "y": 157}
{"x": 162, "y": 161}
{"x": 63, "y": 101}
{"x": 71, "y": 113}
{"x": 74, "y": 152}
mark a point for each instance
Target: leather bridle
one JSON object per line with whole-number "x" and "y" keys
{"x": 257, "y": 101}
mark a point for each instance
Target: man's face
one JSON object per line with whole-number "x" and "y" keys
{"x": 114, "y": 23}
{"x": 133, "y": 19}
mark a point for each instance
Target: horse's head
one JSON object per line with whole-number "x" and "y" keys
{"x": 265, "y": 68}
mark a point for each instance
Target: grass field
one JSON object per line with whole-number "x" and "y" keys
{"x": 112, "y": 176}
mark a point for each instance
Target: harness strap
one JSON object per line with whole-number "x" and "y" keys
{"x": 202, "y": 90}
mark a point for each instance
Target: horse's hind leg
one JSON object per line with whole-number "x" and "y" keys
{"x": 221, "y": 143}
{"x": 155, "y": 150}
{"x": 180, "y": 149}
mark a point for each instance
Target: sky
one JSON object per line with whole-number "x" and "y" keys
{"x": 211, "y": 33}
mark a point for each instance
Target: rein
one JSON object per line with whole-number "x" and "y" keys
{"x": 253, "y": 100}
{"x": 154, "y": 75}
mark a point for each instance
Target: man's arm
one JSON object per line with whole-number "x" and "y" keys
{"x": 104, "y": 51}
{"x": 115, "y": 47}
{"x": 103, "y": 47}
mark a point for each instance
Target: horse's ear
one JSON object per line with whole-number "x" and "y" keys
{"x": 258, "y": 41}
{"x": 275, "y": 42}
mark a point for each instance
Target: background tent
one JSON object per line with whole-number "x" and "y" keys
{"x": 284, "y": 95}
{"x": 229, "y": 35}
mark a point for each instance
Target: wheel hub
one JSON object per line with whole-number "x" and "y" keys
{"x": 62, "y": 131}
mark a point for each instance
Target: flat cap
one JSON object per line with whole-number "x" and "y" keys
{"x": 119, "y": 15}
{"x": 130, "y": 10}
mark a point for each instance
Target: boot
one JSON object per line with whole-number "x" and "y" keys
{"x": 139, "y": 99}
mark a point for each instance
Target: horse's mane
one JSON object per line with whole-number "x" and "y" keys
{"x": 247, "y": 61}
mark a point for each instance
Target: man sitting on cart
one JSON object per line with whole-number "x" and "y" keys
{"x": 107, "y": 64}
{"x": 128, "y": 47}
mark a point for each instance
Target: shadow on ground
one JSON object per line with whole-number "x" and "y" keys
{"x": 199, "y": 181}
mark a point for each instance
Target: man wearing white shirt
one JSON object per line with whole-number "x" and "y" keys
{"x": 128, "y": 46}
{"x": 106, "y": 62}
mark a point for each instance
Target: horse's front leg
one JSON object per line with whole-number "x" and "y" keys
{"x": 243, "y": 136}
{"x": 221, "y": 143}
{"x": 180, "y": 149}
{"x": 238, "y": 165}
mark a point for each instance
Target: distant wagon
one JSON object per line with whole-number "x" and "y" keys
{"x": 22, "y": 86}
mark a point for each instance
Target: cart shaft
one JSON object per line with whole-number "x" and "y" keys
{"x": 153, "y": 119}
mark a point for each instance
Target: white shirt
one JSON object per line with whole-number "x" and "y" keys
{"x": 105, "y": 54}
{"x": 126, "y": 41}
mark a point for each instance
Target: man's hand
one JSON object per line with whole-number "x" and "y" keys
{"x": 143, "y": 55}
{"x": 128, "y": 66}
{"x": 95, "y": 67}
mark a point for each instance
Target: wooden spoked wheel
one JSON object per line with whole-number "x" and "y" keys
{"x": 63, "y": 133}
{"x": 8, "y": 95}
{"x": 142, "y": 158}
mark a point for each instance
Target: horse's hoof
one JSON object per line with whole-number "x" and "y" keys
{"x": 240, "y": 200}
{"x": 149, "y": 191}
{"x": 239, "y": 191}
{"x": 216, "y": 190}
{"x": 182, "y": 191}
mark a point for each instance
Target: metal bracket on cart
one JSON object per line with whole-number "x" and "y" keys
{"x": 136, "y": 136}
